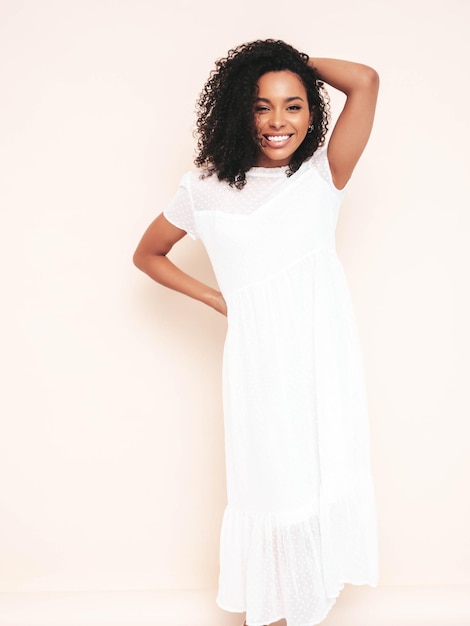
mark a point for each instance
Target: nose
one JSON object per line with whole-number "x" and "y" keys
{"x": 277, "y": 119}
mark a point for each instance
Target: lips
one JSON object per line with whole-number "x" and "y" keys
{"x": 276, "y": 141}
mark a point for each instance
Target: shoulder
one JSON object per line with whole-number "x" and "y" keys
{"x": 198, "y": 179}
{"x": 204, "y": 192}
{"x": 319, "y": 163}
{"x": 186, "y": 179}
{"x": 188, "y": 184}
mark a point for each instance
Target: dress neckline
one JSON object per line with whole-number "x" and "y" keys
{"x": 258, "y": 170}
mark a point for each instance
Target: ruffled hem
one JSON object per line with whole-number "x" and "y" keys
{"x": 293, "y": 564}
{"x": 317, "y": 620}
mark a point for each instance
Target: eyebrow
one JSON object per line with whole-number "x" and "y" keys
{"x": 286, "y": 99}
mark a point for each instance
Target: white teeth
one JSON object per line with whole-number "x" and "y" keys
{"x": 277, "y": 137}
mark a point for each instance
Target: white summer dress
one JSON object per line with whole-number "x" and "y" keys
{"x": 301, "y": 518}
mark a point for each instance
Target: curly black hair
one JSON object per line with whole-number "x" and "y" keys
{"x": 225, "y": 124}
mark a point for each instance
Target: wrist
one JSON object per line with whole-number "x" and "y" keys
{"x": 216, "y": 300}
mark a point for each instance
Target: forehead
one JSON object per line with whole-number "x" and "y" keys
{"x": 283, "y": 84}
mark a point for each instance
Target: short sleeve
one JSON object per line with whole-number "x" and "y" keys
{"x": 322, "y": 165}
{"x": 180, "y": 211}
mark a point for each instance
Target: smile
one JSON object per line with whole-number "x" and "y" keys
{"x": 277, "y": 138}
{"x": 276, "y": 141}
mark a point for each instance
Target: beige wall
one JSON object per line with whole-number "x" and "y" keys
{"x": 111, "y": 465}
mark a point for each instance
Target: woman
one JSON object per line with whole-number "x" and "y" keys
{"x": 300, "y": 519}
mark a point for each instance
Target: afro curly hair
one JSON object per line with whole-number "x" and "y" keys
{"x": 225, "y": 128}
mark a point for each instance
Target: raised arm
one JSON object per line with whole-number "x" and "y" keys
{"x": 360, "y": 83}
{"x": 150, "y": 257}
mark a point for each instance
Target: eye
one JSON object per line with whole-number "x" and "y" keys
{"x": 260, "y": 108}
{"x": 294, "y": 107}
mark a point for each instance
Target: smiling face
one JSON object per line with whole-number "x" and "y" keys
{"x": 282, "y": 117}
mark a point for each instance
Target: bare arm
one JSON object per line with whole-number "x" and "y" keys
{"x": 150, "y": 257}
{"x": 360, "y": 83}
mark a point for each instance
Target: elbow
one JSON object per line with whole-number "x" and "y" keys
{"x": 138, "y": 260}
{"x": 370, "y": 78}
{"x": 147, "y": 262}
{"x": 364, "y": 80}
